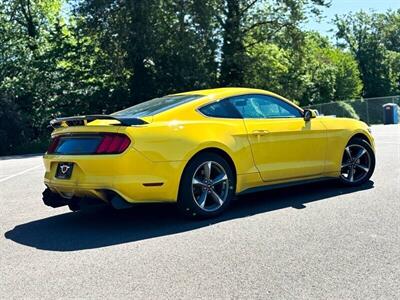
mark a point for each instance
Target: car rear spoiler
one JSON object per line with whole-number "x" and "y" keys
{"x": 83, "y": 120}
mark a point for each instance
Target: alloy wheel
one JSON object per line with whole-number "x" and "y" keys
{"x": 356, "y": 163}
{"x": 210, "y": 186}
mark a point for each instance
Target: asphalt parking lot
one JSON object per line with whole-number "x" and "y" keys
{"x": 315, "y": 241}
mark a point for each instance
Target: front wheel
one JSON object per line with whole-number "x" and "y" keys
{"x": 358, "y": 163}
{"x": 207, "y": 186}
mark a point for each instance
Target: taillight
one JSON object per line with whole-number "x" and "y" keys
{"x": 113, "y": 144}
{"x": 53, "y": 145}
{"x": 80, "y": 144}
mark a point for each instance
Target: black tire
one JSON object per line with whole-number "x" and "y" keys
{"x": 188, "y": 202}
{"x": 364, "y": 176}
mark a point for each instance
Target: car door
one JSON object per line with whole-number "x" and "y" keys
{"x": 284, "y": 145}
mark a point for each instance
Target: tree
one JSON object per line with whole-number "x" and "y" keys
{"x": 322, "y": 74}
{"x": 98, "y": 56}
{"x": 233, "y": 51}
{"x": 245, "y": 23}
{"x": 25, "y": 76}
{"x": 166, "y": 46}
{"x": 348, "y": 84}
{"x": 185, "y": 57}
{"x": 368, "y": 37}
{"x": 267, "y": 68}
{"x": 124, "y": 27}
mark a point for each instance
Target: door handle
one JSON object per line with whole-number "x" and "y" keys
{"x": 260, "y": 132}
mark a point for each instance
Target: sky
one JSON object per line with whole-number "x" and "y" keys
{"x": 341, "y": 7}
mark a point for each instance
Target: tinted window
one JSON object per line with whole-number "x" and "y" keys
{"x": 221, "y": 109}
{"x": 155, "y": 106}
{"x": 264, "y": 107}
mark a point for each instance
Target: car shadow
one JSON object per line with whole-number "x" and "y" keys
{"x": 104, "y": 227}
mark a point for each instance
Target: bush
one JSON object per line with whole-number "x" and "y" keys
{"x": 339, "y": 109}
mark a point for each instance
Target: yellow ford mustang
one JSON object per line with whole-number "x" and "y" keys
{"x": 200, "y": 149}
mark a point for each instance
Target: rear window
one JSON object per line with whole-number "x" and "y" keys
{"x": 155, "y": 106}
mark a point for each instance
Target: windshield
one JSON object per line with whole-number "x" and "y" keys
{"x": 155, "y": 106}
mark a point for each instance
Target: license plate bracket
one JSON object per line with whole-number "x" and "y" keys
{"x": 64, "y": 170}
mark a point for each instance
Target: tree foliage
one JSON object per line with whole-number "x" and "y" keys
{"x": 323, "y": 72}
{"x": 60, "y": 57}
{"x": 373, "y": 40}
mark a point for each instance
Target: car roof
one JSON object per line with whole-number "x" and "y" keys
{"x": 219, "y": 93}
{"x": 226, "y": 91}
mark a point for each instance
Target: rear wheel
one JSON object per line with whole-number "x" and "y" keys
{"x": 358, "y": 163}
{"x": 207, "y": 186}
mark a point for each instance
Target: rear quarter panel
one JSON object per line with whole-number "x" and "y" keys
{"x": 180, "y": 140}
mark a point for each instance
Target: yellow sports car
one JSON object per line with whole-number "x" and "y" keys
{"x": 200, "y": 149}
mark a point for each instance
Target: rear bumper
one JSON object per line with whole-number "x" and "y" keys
{"x": 130, "y": 175}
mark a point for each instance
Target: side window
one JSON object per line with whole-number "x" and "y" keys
{"x": 264, "y": 107}
{"x": 221, "y": 109}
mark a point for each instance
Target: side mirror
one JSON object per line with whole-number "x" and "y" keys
{"x": 308, "y": 114}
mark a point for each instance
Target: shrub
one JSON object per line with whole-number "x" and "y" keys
{"x": 339, "y": 109}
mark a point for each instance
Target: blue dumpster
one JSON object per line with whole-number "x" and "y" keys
{"x": 390, "y": 113}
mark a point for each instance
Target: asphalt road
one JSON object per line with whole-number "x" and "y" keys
{"x": 315, "y": 241}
